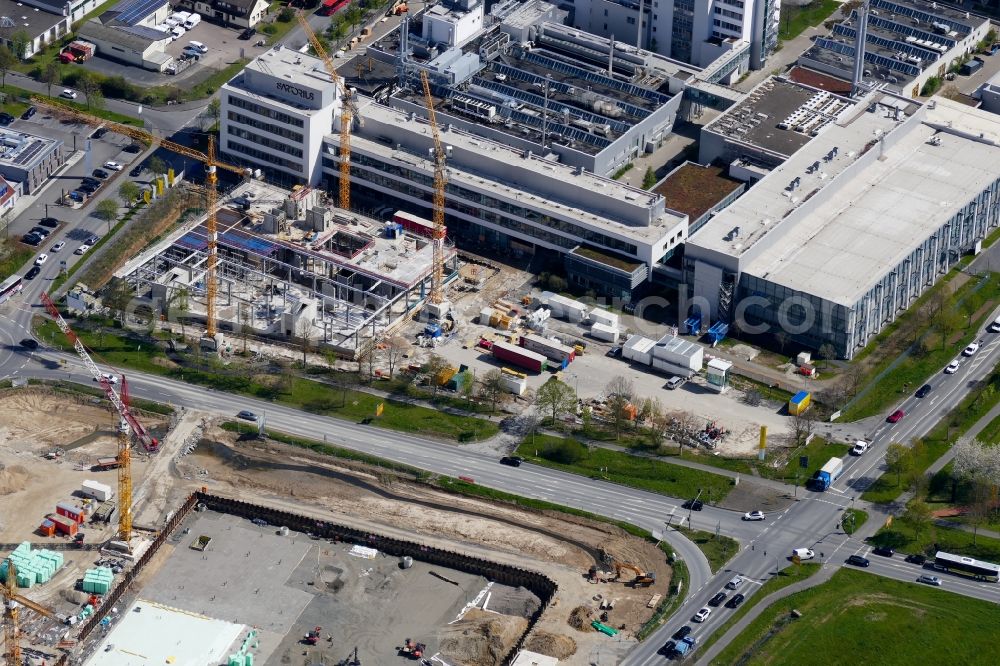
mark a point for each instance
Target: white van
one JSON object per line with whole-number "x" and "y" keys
{"x": 803, "y": 553}
{"x": 734, "y": 582}
{"x": 192, "y": 21}
{"x": 177, "y": 33}
{"x": 995, "y": 326}
{"x": 197, "y": 46}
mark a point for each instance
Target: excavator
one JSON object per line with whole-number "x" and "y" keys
{"x": 412, "y": 649}
{"x": 642, "y": 578}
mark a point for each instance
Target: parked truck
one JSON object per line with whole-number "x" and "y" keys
{"x": 77, "y": 51}
{"x": 826, "y": 475}
{"x": 522, "y": 358}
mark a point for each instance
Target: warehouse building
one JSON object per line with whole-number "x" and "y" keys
{"x": 908, "y": 42}
{"x": 833, "y": 244}
{"x": 126, "y": 33}
{"x": 27, "y": 160}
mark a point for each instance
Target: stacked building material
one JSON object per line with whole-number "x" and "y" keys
{"x": 32, "y": 566}
{"x": 98, "y": 581}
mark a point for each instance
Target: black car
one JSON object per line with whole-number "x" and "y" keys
{"x": 858, "y": 561}
{"x": 31, "y": 239}
{"x": 668, "y": 648}
{"x": 49, "y": 222}
{"x": 614, "y": 351}
{"x": 30, "y": 275}
{"x": 41, "y": 232}
{"x": 100, "y": 173}
{"x": 735, "y": 601}
{"x": 89, "y": 188}
{"x": 681, "y": 633}
{"x": 248, "y": 33}
{"x": 99, "y": 132}
{"x": 29, "y": 343}
{"x": 693, "y": 504}
{"x": 513, "y": 461}
{"x": 916, "y": 559}
{"x": 924, "y": 390}
{"x": 247, "y": 415}
{"x": 133, "y": 148}
{"x": 90, "y": 179}
{"x": 6, "y": 119}
{"x": 28, "y": 113}
{"x": 136, "y": 171}
{"x": 717, "y": 599}
{"x": 884, "y": 551}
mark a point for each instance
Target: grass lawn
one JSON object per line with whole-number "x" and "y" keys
{"x": 991, "y": 433}
{"x": 901, "y": 536}
{"x": 718, "y": 549}
{"x": 124, "y": 350}
{"x": 852, "y": 526}
{"x": 796, "y": 19}
{"x": 859, "y": 618}
{"x": 626, "y": 469}
{"x": 12, "y": 256}
{"x": 891, "y": 378}
{"x": 783, "y": 578}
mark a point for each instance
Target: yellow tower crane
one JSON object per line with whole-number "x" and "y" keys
{"x": 348, "y": 112}
{"x": 440, "y": 180}
{"x": 211, "y": 180}
{"x": 12, "y": 620}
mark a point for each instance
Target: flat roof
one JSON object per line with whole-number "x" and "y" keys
{"x": 290, "y": 64}
{"x": 777, "y": 101}
{"x": 694, "y": 189}
{"x": 36, "y": 22}
{"x": 159, "y": 634}
{"x": 22, "y": 150}
{"x": 814, "y": 79}
{"x": 884, "y": 212}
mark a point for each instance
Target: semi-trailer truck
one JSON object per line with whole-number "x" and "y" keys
{"x": 826, "y": 475}
{"x": 523, "y": 358}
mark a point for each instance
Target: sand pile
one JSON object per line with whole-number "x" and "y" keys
{"x": 482, "y": 639}
{"x": 13, "y": 479}
{"x": 553, "y": 645}
{"x": 580, "y": 619}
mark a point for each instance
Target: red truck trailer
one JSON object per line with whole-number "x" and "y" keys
{"x": 523, "y": 358}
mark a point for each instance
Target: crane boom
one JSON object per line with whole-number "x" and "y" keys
{"x": 211, "y": 167}
{"x": 437, "y": 236}
{"x": 348, "y": 112}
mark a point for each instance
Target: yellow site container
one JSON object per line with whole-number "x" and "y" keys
{"x": 445, "y": 375}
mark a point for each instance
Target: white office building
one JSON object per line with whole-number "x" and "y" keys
{"x": 275, "y": 113}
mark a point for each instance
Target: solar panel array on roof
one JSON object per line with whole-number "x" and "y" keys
{"x": 134, "y": 11}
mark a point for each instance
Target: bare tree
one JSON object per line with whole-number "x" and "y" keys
{"x": 782, "y": 339}
{"x": 802, "y": 426}
{"x": 394, "y": 349}
{"x": 827, "y": 352}
{"x": 492, "y": 390}
{"x": 305, "y": 327}
{"x": 367, "y": 357}
{"x": 555, "y": 398}
{"x": 620, "y": 395}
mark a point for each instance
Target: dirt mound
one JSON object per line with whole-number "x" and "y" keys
{"x": 13, "y": 479}
{"x": 580, "y": 619}
{"x": 482, "y": 639}
{"x": 552, "y": 645}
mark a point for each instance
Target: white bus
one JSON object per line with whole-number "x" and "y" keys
{"x": 966, "y": 566}
{"x": 10, "y": 286}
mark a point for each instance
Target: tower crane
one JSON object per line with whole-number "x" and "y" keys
{"x": 348, "y": 112}
{"x": 440, "y": 180}
{"x": 12, "y": 621}
{"x": 128, "y": 423}
{"x": 211, "y": 180}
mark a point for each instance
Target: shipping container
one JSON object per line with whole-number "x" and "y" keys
{"x": 522, "y": 358}
{"x": 799, "y": 403}
{"x": 414, "y": 224}
{"x": 598, "y": 316}
{"x": 514, "y": 382}
{"x": 99, "y": 491}
{"x": 105, "y": 464}
{"x": 604, "y": 332}
{"x": 47, "y": 528}
{"x": 638, "y": 349}
{"x": 550, "y": 349}
{"x": 71, "y": 511}
{"x": 63, "y": 524}
{"x": 686, "y": 356}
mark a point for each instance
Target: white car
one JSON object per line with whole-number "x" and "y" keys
{"x": 114, "y": 166}
{"x": 82, "y": 249}
{"x": 41, "y": 259}
{"x": 702, "y": 615}
{"x": 111, "y": 379}
{"x": 753, "y": 515}
{"x": 971, "y": 349}
{"x": 952, "y": 367}
{"x": 860, "y": 447}
{"x": 58, "y": 246}
{"x": 69, "y": 94}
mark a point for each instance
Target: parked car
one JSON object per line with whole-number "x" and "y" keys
{"x": 735, "y": 601}
{"x": 32, "y": 272}
{"x": 49, "y": 222}
{"x": 858, "y": 561}
{"x": 702, "y": 615}
{"x": 916, "y": 559}
{"x": 674, "y": 382}
{"x": 136, "y": 171}
{"x": 31, "y": 239}
{"x": 247, "y": 415}
{"x": 929, "y": 580}
{"x": 88, "y": 188}
{"x": 101, "y": 173}
{"x": 83, "y": 249}
{"x": 884, "y": 551}
{"x": 248, "y": 33}
{"x": 114, "y": 166}
{"x": 78, "y": 196}
{"x": 512, "y": 461}
{"x": 28, "y": 113}
{"x": 753, "y": 515}
{"x": 99, "y": 132}
{"x": 717, "y": 599}
{"x": 58, "y": 246}
{"x": 41, "y": 232}
{"x": 971, "y": 349}
{"x": 41, "y": 259}
{"x": 693, "y": 504}
{"x": 69, "y": 94}
{"x": 615, "y": 351}
{"x": 133, "y": 148}
{"x": 6, "y": 119}
{"x": 924, "y": 390}
{"x": 92, "y": 240}
{"x": 952, "y": 367}
{"x": 896, "y": 416}
{"x": 29, "y": 343}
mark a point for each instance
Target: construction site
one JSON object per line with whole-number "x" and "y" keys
{"x": 244, "y": 549}
{"x": 292, "y": 265}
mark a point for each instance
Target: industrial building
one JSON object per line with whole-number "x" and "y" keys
{"x": 695, "y": 31}
{"x": 906, "y": 43}
{"x": 27, "y": 160}
{"x": 835, "y": 242}
{"x": 292, "y": 267}
{"x": 127, "y": 33}
{"x": 989, "y": 95}
{"x": 39, "y": 27}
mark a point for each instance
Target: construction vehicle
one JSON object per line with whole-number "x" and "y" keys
{"x": 413, "y": 649}
{"x": 211, "y": 194}
{"x": 397, "y": 8}
{"x": 12, "y": 614}
{"x": 312, "y": 638}
{"x": 642, "y": 578}
{"x": 77, "y": 51}
{"x": 438, "y": 306}
{"x": 128, "y": 424}
{"x": 348, "y": 112}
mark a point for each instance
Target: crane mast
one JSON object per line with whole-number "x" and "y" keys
{"x": 437, "y": 237}
{"x": 12, "y": 614}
